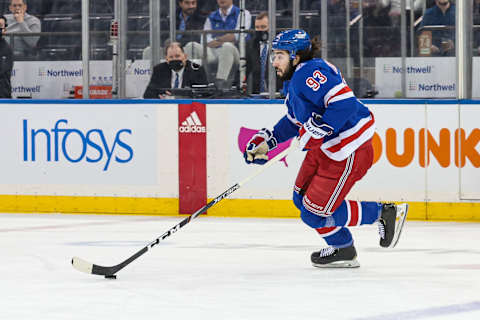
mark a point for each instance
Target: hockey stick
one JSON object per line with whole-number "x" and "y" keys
{"x": 109, "y": 272}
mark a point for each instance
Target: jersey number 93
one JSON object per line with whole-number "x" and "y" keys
{"x": 316, "y": 80}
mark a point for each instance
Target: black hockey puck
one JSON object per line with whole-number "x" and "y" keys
{"x": 111, "y": 277}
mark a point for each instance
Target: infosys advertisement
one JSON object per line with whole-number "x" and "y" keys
{"x": 71, "y": 144}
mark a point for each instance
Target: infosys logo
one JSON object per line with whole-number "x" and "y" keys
{"x": 65, "y": 143}
{"x": 192, "y": 124}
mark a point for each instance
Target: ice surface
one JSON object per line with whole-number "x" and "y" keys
{"x": 232, "y": 268}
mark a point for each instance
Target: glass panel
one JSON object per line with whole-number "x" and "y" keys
{"x": 366, "y": 46}
{"x": 431, "y": 70}
{"x": 476, "y": 50}
{"x": 101, "y": 21}
{"x": 47, "y": 63}
{"x": 137, "y": 66}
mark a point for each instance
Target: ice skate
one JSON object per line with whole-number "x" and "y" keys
{"x": 331, "y": 257}
{"x": 391, "y": 223}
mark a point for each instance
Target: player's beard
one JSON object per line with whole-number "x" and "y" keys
{"x": 287, "y": 75}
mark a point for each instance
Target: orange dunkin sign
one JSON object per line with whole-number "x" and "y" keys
{"x": 437, "y": 147}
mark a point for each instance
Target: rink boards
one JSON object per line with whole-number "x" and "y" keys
{"x": 123, "y": 157}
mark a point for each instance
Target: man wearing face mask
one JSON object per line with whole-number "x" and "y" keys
{"x": 177, "y": 72}
{"x": 6, "y": 62}
{"x": 257, "y": 57}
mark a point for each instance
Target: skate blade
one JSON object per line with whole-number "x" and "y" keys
{"x": 402, "y": 210}
{"x": 339, "y": 264}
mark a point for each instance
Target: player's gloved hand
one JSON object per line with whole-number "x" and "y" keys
{"x": 258, "y": 147}
{"x": 312, "y": 132}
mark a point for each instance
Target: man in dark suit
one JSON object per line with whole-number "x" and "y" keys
{"x": 257, "y": 57}
{"x": 176, "y": 72}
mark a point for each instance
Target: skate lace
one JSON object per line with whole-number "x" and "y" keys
{"x": 326, "y": 251}
{"x": 381, "y": 230}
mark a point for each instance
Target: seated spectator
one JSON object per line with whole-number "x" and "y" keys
{"x": 258, "y": 57}
{"x": 188, "y": 18}
{"x": 176, "y": 72}
{"x": 6, "y": 62}
{"x": 20, "y": 21}
{"x": 442, "y": 13}
{"x": 221, "y": 47}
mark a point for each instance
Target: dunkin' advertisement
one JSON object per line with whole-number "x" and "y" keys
{"x": 421, "y": 152}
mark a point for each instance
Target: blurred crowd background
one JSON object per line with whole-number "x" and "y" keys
{"x": 358, "y": 32}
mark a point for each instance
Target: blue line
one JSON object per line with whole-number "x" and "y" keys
{"x": 140, "y": 101}
{"x": 225, "y": 101}
{"x": 427, "y": 313}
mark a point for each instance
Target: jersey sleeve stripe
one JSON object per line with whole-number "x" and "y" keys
{"x": 342, "y": 96}
{"x": 337, "y": 90}
{"x": 348, "y": 141}
{"x": 332, "y": 92}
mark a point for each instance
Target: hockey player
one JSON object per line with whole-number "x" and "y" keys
{"x": 336, "y": 130}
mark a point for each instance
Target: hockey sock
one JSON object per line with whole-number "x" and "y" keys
{"x": 349, "y": 213}
{"x": 337, "y": 237}
{"x": 355, "y": 213}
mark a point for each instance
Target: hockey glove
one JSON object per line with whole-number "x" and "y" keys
{"x": 258, "y": 147}
{"x": 312, "y": 132}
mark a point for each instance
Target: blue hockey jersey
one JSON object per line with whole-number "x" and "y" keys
{"x": 318, "y": 86}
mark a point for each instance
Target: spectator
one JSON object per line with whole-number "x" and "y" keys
{"x": 258, "y": 56}
{"x": 396, "y": 9}
{"x": 189, "y": 18}
{"x": 6, "y": 62}
{"x": 221, "y": 47}
{"x": 442, "y": 13}
{"x": 177, "y": 72}
{"x": 20, "y": 21}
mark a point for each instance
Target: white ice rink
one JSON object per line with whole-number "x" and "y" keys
{"x": 225, "y": 268}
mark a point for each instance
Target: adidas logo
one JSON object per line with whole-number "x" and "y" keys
{"x": 192, "y": 124}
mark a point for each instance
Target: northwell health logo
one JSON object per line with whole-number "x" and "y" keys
{"x": 64, "y": 73}
{"x": 410, "y": 69}
{"x": 413, "y": 86}
{"x": 192, "y": 124}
